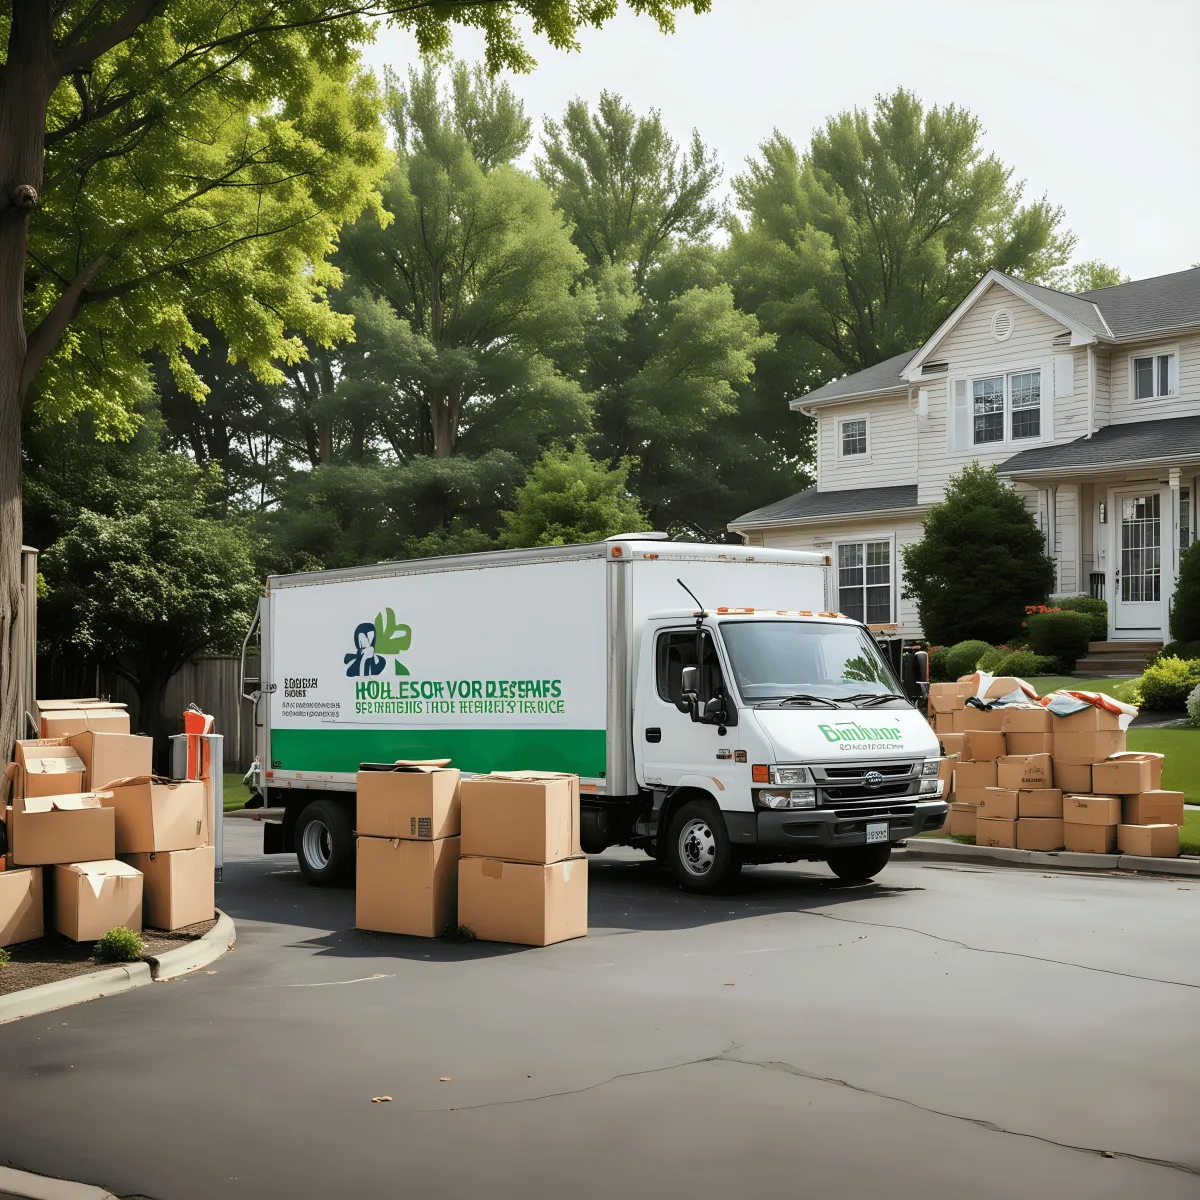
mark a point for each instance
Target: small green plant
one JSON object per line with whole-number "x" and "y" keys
{"x": 1185, "y": 605}
{"x": 1168, "y": 683}
{"x": 961, "y": 659}
{"x": 120, "y": 945}
{"x": 459, "y": 933}
{"x": 1097, "y": 610}
{"x": 3, "y": 958}
{"x": 1193, "y": 707}
{"x": 1024, "y": 664}
{"x": 1063, "y": 636}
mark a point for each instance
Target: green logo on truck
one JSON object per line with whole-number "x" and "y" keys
{"x": 852, "y": 731}
{"x": 373, "y": 640}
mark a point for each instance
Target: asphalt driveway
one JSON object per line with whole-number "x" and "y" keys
{"x": 947, "y": 1031}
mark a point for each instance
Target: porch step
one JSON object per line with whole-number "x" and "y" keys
{"x": 1110, "y": 666}
{"x": 1128, "y": 649}
{"x": 1105, "y": 659}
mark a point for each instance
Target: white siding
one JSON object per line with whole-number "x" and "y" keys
{"x": 1067, "y": 541}
{"x": 891, "y": 456}
{"x": 1186, "y": 404}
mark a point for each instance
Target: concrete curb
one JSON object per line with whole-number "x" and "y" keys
{"x": 42, "y": 1187}
{"x": 1060, "y": 859}
{"x": 64, "y": 993}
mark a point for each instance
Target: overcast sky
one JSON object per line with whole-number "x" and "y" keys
{"x": 1095, "y": 104}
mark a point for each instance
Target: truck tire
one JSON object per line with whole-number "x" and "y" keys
{"x": 855, "y": 864}
{"x": 324, "y": 841}
{"x": 698, "y": 850}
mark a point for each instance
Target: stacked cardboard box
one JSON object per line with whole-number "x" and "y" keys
{"x": 522, "y": 877}
{"x": 407, "y": 848}
{"x": 1142, "y": 818}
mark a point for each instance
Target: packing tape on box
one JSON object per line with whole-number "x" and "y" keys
{"x": 493, "y": 868}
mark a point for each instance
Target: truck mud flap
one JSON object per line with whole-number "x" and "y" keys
{"x": 274, "y": 840}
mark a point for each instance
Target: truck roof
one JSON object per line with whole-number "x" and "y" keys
{"x": 752, "y": 614}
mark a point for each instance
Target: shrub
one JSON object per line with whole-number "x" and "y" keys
{"x": 1096, "y": 609}
{"x": 1185, "y": 606}
{"x": 938, "y": 671}
{"x": 961, "y": 659}
{"x": 1025, "y": 664}
{"x": 120, "y": 945}
{"x": 3, "y": 958}
{"x": 1062, "y": 636}
{"x": 1167, "y": 683}
{"x": 1176, "y": 650}
{"x": 1193, "y": 707}
{"x": 994, "y": 655}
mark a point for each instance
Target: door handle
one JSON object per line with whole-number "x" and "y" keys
{"x": 654, "y": 734}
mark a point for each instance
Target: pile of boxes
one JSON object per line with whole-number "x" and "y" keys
{"x": 94, "y": 840}
{"x": 1027, "y": 778}
{"x": 498, "y": 854}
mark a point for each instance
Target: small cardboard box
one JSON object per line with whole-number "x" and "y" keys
{"x": 1155, "y": 761}
{"x": 45, "y": 830}
{"x": 962, "y": 819}
{"x": 1153, "y": 808}
{"x": 408, "y": 800}
{"x": 968, "y": 775}
{"x": 1040, "y": 802}
{"x": 1040, "y": 833}
{"x": 1091, "y": 810}
{"x": 1149, "y": 841}
{"x": 90, "y": 898}
{"x": 1089, "y": 746}
{"x": 998, "y": 804}
{"x": 1029, "y": 743}
{"x": 952, "y": 743}
{"x": 521, "y": 817}
{"x": 46, "y": 767}
{"x": 1026, "y": 718}
{"x": 992, "y": 831}
{"x": 971, "y": 795}
{"x": 943, "y": 724}
{"x": 1024, "y": 771}
{"x": 987, "y": 720}
{"x": 948, "y": 697}
{"x": 406, "y": 886}
{"x": 159, "y": 814}
{"x": 1088, "y": 720}
{"x": 110, "y": 756}
{"x": 1126, "y": 774}
{"x": 1090, "y": 839}
{"x": 98, "y": 716}
{"x": 178, "y": 886}
{"x": 946, "y": 773}
{"x": 20, "y": 906}
{"x": 532, "y": 904}
{"x": 1073, "y": 777}
{"x": 982, "y": 745}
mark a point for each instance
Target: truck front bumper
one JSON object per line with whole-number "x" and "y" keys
{"x": 821, "y": 829}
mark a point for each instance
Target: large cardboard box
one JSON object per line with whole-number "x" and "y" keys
{"x": 108, "y": 757}
{"x": 408, "y": 800}
{"x": 521, "y": 817}
{"x": 75, "y": 717}
{"x": 1090, "y": 839}
{"x": 961, "y": 822}
{"x": 1088, "y": 720}
{"x": 178, "y": 886}
{"x": 1091, "y": 746}
{"x": 1153, "y": 808}
{"x": 44, "y": 830}
{"x": 159, "y": 814}
{"x": 1149, "y": 841}
{"x": 970, "y": 718}
{"x": 1004, "y": 685}
{"x": 982, "y": 745}
{"x": 406, "y": 886}
{"x": 1040, "y": 833}
{"x": 1026, "y": 718}
{"x": 90, "y": 898}
{"x": 948, "y": 697}
{"x": 992, "y": 831}
{"x": 1040, "y": 802}
{"x": 46, "y": 767}
{"x": 532, "y": 904}
{"x": 970, "y": 795}
{"x": 1155, "y": 761}
{"x": 1091, "y": 810}
{"x": 1025, "y": 771}
{"x": 20, "y": 906}
{"x": 952, "y": 743}
{"x": 1029, "y": 743}
{"x": 974, "y": 775}
{"x": 943, "y": 724}
{"x": 998, "y": 804}
{"x": 1073, "y": 777}
{"x": 1126, "y": 774}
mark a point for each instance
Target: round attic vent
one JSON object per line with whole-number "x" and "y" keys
{"x": 1002, "y": 325}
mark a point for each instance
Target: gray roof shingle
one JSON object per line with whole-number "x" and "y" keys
{"x": 1078, "y": 309}
{"x": 879, "y": 378}
{"x": 1148, "y": 306}
{"x": 811, "y": 503}
{"x": 1139, "y": 441}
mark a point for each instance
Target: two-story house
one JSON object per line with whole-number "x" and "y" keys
{"x": 1088, "y": 403}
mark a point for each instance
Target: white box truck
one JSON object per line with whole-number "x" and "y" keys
{"x": 717, "y": 713}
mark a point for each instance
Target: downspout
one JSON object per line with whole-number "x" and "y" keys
{"x": 1091, "y": 424}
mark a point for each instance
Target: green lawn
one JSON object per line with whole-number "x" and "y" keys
{"x": 1110, "y": 687}
{"x": 236, "y": 792}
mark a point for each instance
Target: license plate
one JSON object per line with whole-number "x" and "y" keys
{"x": 877, "y": 833}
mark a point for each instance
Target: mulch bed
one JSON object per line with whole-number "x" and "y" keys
{"x": 55, "y": 957}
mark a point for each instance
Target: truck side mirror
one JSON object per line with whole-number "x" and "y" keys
{"x": 916, "y": 675}
{"x": 690, "y": 687}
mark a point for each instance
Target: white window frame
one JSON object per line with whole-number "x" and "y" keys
{"x": 861, "y": 540}
{"x": 1007, "y": 374}
{"x": 1154, "y": 353}
{"x": 853, "y": 458}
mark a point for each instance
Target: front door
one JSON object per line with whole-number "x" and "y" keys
{"x": 1137, "y": 586}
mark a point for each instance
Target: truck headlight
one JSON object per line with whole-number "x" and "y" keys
{"x": 790, "y": 776}
{"x": 797, "y": 798}
{"x": 930, "y": 787}
{"x": 929, "y": 768}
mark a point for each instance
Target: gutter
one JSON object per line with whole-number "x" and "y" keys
{"x": 870, "y": 393}
{"x": 735, "y": 527}
{"x": 1099, "y": 468}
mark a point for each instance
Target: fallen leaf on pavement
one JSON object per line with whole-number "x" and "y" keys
{"x": 380, "y": 1099}
{"x": 444, "y": 1079}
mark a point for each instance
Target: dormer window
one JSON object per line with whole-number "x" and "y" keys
{"x": 1155, "y": 376}
{"x": 854, "y": 436}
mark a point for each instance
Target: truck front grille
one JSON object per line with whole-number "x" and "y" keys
{"x": 841, "y": 784}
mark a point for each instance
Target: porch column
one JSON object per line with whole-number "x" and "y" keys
{"x": 1052, "y": 531}
{"x": 1170, "y": 557}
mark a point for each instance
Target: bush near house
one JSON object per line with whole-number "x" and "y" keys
{"x": 939, "y": 672}
{"x": 1062, "y": 636}
{"x": 1024, "y": 664}
{"x": 1096, "y": 609}
{"x": 963, "y": 658}
{"x": 1185, "y": 610}
{"x": 1176, "y": 650}
{"x": 1167, "y": 683}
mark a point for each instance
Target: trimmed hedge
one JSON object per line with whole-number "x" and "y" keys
{"x": 962, "y": 659}
{"x": 1168, "y": 682}
{"x": 938, "y": 671}
{"x": 1024, "y": 664}
{"x": 1096, "y": 609}
{"x": 1062, "y": 636}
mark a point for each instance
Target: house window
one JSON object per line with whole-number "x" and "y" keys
{"x": 854, "y": 437}
{"x": 1026, "y": 400}
{"x": 1154, "y": 376}
{"x": 865, "y": 581}
{"x": 988, "y": 395}
{"x": 1015, "y": 400}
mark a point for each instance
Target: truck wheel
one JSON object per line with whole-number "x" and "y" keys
{"x": 698, "y": 848}
{"x": 857, "y": 863}
{"x": 324, "y": 842}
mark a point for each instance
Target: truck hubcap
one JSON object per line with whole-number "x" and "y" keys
{"x": 697, "y": 847}
{"x": 317, "y": 844}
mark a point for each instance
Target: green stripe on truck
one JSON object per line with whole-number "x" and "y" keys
{"x": 580, "y": 751}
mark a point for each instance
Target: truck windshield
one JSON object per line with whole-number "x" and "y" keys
{"x": 772, "y": 660}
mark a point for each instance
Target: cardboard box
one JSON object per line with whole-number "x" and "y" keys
{"x": 1004, "y": 685}
{"x": 46, "y": 767}
{"x": 1029, "y": 743}
{"x": 159, "y": 814}
{"x": 1153, "y": 808}
{"x": 948, "y": 697}
{"x": 972, "y": 796}
{"x": 946, "y": 773}
{"x": 99, "y": 717}
{"x": 943, "y": 724}
{"x": 1026, "y": 718}
{"x": 108, "y": 757}
{"x": 1040, "y": 802}
{"x": 532, "y": 904}
{"x": 1040, "y": 833}
{"x": 521, "y": 817}
{"x": 1025, "y": 771}
{"x": 1090, "y": 839}
{"x": 985, "y": 720}
{"x": 1088, "y": 720}
{"x": 1088, "y": 747}
{"x": 406, "y": 886}
{"x": 20, "y": 906}
{"x": 968, "y": 775}
{"x": 177, "y": 886}
{"x": 1149, "y": 841}
{"x": 44, "y": 830}
{"x": 1156, "y": 766}
{"x": 90, "y": 898}
{"x": 961, "y": 822}
{"x": 1073, "y": 777}
{"x": 999, "y": 804}
{"x": 1091, "y": 810}
{"x": 991, "y": 831}
{"x": 982, "y": 745}
{"x": 1126, "y": 774}
{"x": 952, "y": 743}
{"x": 408, "y": 800}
